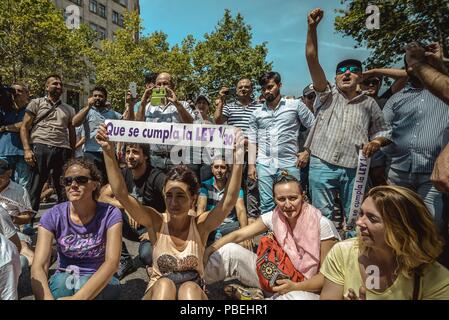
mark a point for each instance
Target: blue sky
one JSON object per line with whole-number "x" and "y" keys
{"x": 280, "y": 23}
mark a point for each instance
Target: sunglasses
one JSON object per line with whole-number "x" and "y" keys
{"x": 352, "y": 69}
{"x": 67, "y": 181}
{"x": 373, "y": 82}
{"x": 311, "y": 96}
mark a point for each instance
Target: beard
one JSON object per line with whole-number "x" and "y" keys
{"x": 271, "y": 97}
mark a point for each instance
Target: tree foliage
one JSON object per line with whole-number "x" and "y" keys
{"x": 221, "y": 58}
{"x": 227, "y": 54}
{"x": 35, "y": 42}
{"x": 401, "y": 21}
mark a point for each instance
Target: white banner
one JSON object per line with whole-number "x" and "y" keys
{"x": 358, "y": 191}
{"x": 180, "y": 134}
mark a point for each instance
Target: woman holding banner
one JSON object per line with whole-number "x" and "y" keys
{"x": 394, "y": 255}
{"x": 177, "y": 235}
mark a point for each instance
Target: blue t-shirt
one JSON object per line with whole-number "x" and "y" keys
{"x": 80, "y": 247}
{"x": 93, "y": 120}
{"x": 10, "y": 143}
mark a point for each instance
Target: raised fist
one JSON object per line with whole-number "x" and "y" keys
{"x": 315, "y": 17}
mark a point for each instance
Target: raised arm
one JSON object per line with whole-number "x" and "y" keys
{"x": 185, "y": 116}
{"x": 41, "y": 264}
{"x": 220, "y": 103}
{"x": 143, "y": 215}
{"x": 103, "y": 275}
{"x": 215, "y": 217}
{"x": 316, "y": 71}
{"x": 79, "y": 118}
{"x": 427, "y": 65}
{"x": 140, "y": 115}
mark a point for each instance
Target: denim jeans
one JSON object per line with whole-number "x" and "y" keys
{"x": 98, "y": 160}
{"x": 145, "y": 247}
{"x": 325, "y": 180}
{"x": 63, "y": 284}
{"x": 20, "y": 169}
{"x": 266, "y": 176}
{"x": 421, "y": 184}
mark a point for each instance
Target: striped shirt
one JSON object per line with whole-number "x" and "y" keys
{"x": 342, "y": 126}
{"x": 420, "y": 122}
{"x": 214, "y": 196}
{"x": 238, "y": 115}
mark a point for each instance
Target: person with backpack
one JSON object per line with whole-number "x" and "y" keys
{"x": 287, "y": 262}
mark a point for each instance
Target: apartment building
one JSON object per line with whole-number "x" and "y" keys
{"x": 103, "y": 16}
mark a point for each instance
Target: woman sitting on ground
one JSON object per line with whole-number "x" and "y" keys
{"x": 88, "y": 238}
{"x": 299, "y": 228}
{"x": 393, "y": 256}
{"x": 178, "y": 236}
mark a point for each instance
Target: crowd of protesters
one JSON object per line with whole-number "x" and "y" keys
{"x": 274, "y": 216}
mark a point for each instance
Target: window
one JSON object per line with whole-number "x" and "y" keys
{"x": 73, "y": 99}
{"x": 123, "y": 3}
{"x": 93, "y": 6}
{"x": 115, "y": 17}
{"x": 102, "y": 10}
{"x": 77, "y": 2}
{"x": 102, "y": 33}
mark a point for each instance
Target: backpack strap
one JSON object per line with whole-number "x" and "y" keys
{"x": 46, "y": 114}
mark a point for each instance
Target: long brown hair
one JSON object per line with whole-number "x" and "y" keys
{"x": 409, "y": 227}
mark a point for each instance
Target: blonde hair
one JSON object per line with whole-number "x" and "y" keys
{"x": 409, "y": 228}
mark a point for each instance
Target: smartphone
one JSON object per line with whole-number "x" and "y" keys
{"x": 158, "y": 96}
{"x": 231, "y": 92}
{"x": 133, "y": 89}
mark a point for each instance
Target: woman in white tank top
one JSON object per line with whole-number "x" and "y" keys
{"x": 178, "y": 236}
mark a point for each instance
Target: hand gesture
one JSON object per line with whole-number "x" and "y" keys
{"x": 239, "y": 151}
{"x": 91, "y": 102}
{"x": 171, "y": 96}
{"x": 148, "y": 92}
{"x": 285, "y": 286}
{"x": 414, "y": 53}
{"x": 252, "y": 172}
{"x": 30, "y": 159}
{"x": 371, "y": 148}
{"x": 353, "y": 296}
{"x": 315, "y": 17}
{"x": 103, "y": 140}
{"x": 303, "y": 159}
{"x": 434, "y": 55}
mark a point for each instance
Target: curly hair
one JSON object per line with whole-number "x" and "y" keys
{"x": 89, "y": 165}
{"x": 409, "y": 227}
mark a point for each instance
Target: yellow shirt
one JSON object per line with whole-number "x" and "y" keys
{"x": 341, "y": 266}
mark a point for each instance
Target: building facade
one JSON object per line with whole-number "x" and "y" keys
{"x": 103, "y": 16}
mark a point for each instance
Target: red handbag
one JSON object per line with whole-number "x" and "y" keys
{"x": 274, "y": 264}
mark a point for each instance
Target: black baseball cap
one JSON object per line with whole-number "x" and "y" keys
{"x": 4, "y": 166}
{"x": 308, "y": 89}
{"x": 350, "y": 62}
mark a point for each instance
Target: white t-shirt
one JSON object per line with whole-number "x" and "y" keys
{"x": 17, "y": 193}
{"x": 8, "y": 251}
{"x": 7, "y": 227}
{"x": 327, "y": 228}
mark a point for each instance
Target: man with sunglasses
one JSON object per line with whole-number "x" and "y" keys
{"x": 346, "y": 122}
